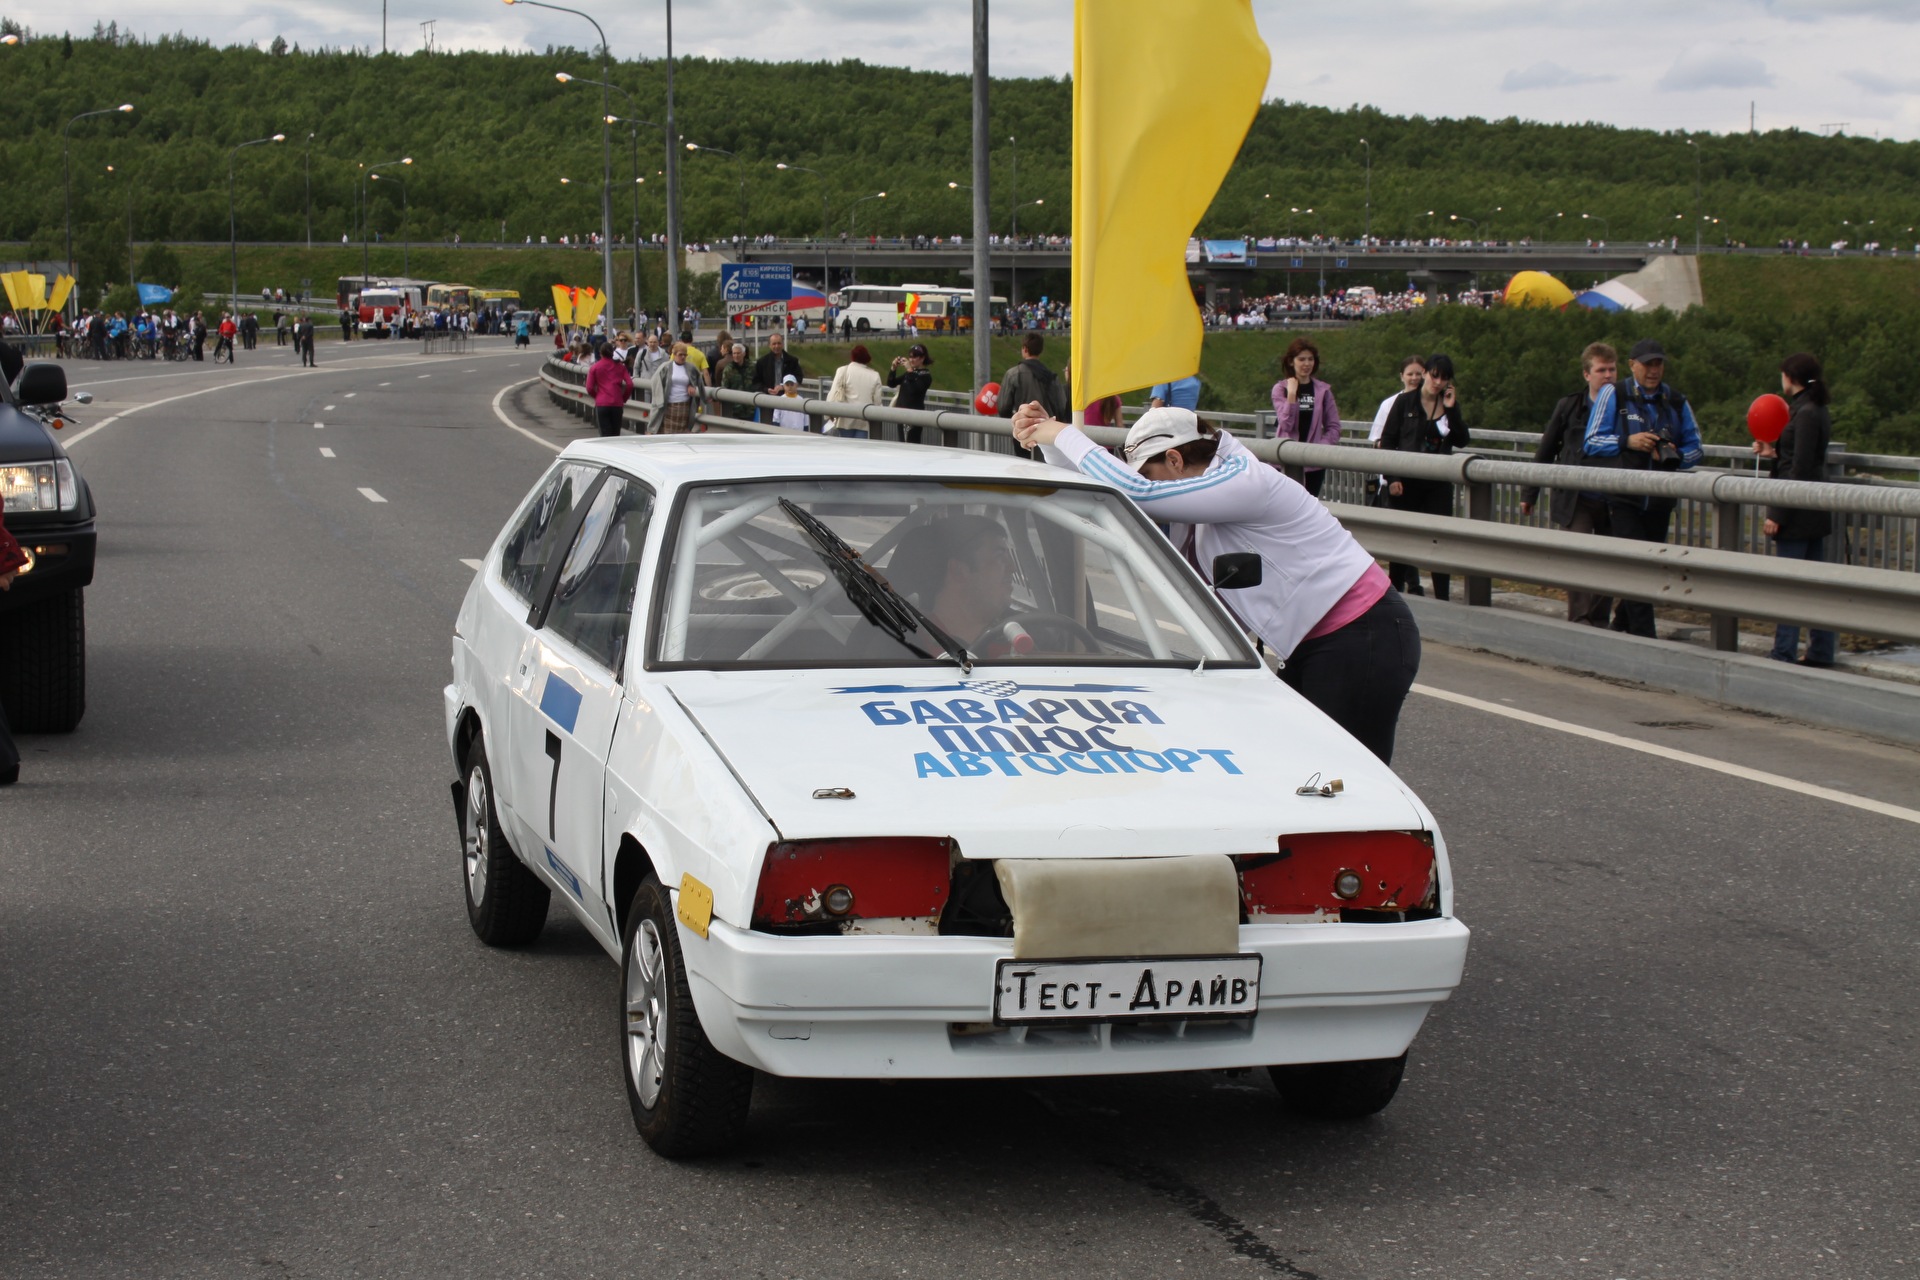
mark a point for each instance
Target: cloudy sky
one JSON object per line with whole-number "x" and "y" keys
{"x": 1693, "y": 65}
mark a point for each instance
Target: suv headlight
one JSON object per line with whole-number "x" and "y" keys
{"x": 39, "y": 486}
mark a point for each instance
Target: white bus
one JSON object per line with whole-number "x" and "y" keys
{"x": 922, "y": 308}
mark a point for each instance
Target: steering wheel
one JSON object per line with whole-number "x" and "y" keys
{"x": 1038, "y": 622}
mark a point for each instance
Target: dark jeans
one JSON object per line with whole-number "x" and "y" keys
{"x": 608, "y": 418}
{"x": 1645, "y": 524}
{"x": 1589, "y": 516}
{"x": 1360, "y": 674}
{"x": 1430, "y": 497}
{"x": 1314, "y": 479}
{"x": 1786, "y": 640}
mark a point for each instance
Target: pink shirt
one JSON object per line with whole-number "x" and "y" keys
{"x": 1360, "y": 597}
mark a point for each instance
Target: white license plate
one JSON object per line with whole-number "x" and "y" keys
{"x": 1123, "y": 990}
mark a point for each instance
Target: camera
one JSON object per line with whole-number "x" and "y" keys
{"x": 1666, "y": 455}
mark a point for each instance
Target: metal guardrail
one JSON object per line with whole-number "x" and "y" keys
{"x": 1725, "y": 582}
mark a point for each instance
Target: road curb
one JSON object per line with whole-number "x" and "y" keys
{"x": 1833, "y": 699}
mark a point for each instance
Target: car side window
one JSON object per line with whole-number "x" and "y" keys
{"x": 593, "y": 599}
{"x": 532, "y": 541}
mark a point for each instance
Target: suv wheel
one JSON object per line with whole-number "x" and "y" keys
{"x": 43, "y": 664}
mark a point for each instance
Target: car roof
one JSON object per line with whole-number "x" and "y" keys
{"x": 675, "y": 460}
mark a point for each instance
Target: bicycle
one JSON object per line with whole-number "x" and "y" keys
{"x": 223, "y": 351}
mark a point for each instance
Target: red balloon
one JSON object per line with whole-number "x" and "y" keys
{"x": 1767, "y": 417}
{"x": 987, "y": 403}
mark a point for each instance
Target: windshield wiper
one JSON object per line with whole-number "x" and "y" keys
{"x": 875, "y": 598}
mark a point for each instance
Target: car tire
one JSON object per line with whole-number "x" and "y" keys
{"x": 43, "y": 664}
{"x": 1339, "y": 1090}
{"x": 861, "y": 326}
{"x": 506, "y": 902}
{"x": 688, "y": 1098}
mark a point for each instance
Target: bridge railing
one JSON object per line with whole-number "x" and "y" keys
{"x": 1719, "y": 579}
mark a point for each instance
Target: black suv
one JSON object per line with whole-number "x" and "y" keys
{"x": 49, "y": 511}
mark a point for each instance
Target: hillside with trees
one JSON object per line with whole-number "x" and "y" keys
{"x": 492, "y": 134}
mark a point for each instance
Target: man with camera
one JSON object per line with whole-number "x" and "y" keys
{"x": 1642, "y": 424}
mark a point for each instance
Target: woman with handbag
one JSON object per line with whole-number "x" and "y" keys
{"x": 1428, "y": 420}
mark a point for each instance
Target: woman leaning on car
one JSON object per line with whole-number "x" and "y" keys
{"x": 1349, "y": 644}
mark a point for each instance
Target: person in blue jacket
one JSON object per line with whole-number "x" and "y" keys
{"x": 1642, "y": 424}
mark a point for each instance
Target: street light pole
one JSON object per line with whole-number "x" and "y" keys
{"x": 982, "y": 215}
{"x": 309, "y": 191}
{"x": 1013, "y": 250}
{"x": 606, "y": 143}
{"x": 66, "y": 168}
{"x": 1696, "y": 195}
{"x": 826, "y": 240}
{"x": 365, "y": 270}
{"x": 406, "y": 244}
{"x": 233, "y": 232}
{"x": 673, "y": 187}
{"x": 1367, "y": 235}
{"x": 740, "y": 228}
{"x": 1594, "y": 217}
{"x": 879, "y": 195}
{"x": 632, "y": 122}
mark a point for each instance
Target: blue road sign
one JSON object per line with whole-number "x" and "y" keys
{"x": 1340, "y": 264}
{"x": 1299, "y": 262}
{"x": 756, "y": 281}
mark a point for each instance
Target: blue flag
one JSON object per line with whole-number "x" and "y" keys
{"x": 152, "y": 294}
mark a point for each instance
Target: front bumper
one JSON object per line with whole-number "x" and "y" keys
{"x": 62, "y": 560}
{"x": 913, "y": 1007}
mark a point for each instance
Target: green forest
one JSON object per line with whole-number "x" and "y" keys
{"x": 492, "y": 134}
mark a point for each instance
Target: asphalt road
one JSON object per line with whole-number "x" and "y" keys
{"x": 248, "y": 1032}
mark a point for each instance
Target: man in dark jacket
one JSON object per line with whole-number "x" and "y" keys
{"x": 1563, "y": 444}
{"x": 771, "y": 368}
{"x": 1801, "y": 533}
{"x": 1031, "y": 380}
{"x": 303, "y": 340}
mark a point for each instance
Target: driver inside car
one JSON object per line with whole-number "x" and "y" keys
{"x": 960, "y": 571}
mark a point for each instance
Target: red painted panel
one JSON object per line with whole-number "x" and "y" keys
{"x": 1396, "y": 870}
{"x": 889, "y": 876}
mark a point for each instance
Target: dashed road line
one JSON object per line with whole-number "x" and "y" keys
{"x": 326, "y": 453}
{"x": 475, "y": 565}
{"x": 1679, "y": 757}
{"x": 426, "y": 375}
{"x": 328, "y": 409}
{"x": 370, "y": 495}
{"x": 350, "y": 395}
{"x": 386, "y": 384}
{"x": 319, "y": 426}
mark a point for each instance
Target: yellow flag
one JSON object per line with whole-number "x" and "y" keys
{"x": 563, "y": 303}
{"x": 62, "y": 286}
{"x": 15, "y": 284}
{"x": 587, "y": 305}
{"x": 1163, "y": 95}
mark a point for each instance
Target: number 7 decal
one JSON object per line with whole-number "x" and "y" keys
{"x": 553, "y": 787}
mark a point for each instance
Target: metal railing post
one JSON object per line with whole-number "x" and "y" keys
{"x": 1479, "y": 507}
{"x": 1725, "y": 627}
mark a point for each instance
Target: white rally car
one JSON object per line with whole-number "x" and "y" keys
{"x": 706, "y": 689}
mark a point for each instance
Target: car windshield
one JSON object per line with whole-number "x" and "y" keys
{"x": 1013, "y": 573}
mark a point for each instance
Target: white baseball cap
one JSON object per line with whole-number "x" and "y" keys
{"x": 1157, "y": 431}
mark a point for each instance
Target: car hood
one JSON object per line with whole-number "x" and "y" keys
{"x": 24, "y": 439}
{"x": 1043, "y": 762}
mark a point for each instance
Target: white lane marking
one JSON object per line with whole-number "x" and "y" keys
{"x": 1680, "y": 757}
{"x": 475, "y": 565}
{"x": 70, "y": 441}
{"x": 326, "y": 453}
{"x": 424, "y": 375}
{"x": 351, "y": 394}
{"x": 370, "y": 495}
{"x": 328, "y": 409}
{"x": 386, "y": 384}
{"x": 510, "y": 424}
{"x": 344, "y": 364}
{"x": 319, "y": 426}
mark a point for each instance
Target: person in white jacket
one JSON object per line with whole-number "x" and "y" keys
{"x": 855, "y": 382}
{"x": 1347, "y": 641}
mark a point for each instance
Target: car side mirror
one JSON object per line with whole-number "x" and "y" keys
{"x": 1236, "y": 570}
{"x": 41, "y": 384}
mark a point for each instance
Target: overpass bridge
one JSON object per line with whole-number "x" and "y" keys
{"x": 1455, "y": 266}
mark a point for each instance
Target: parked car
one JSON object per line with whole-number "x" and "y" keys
{"x": 868, "y": 760}
{"x": 49, "y": 511}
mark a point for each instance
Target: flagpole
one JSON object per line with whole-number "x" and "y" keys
{"x": 1079, "y": 319}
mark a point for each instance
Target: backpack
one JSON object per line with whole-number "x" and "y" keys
{"x": 1052, "y": 394}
